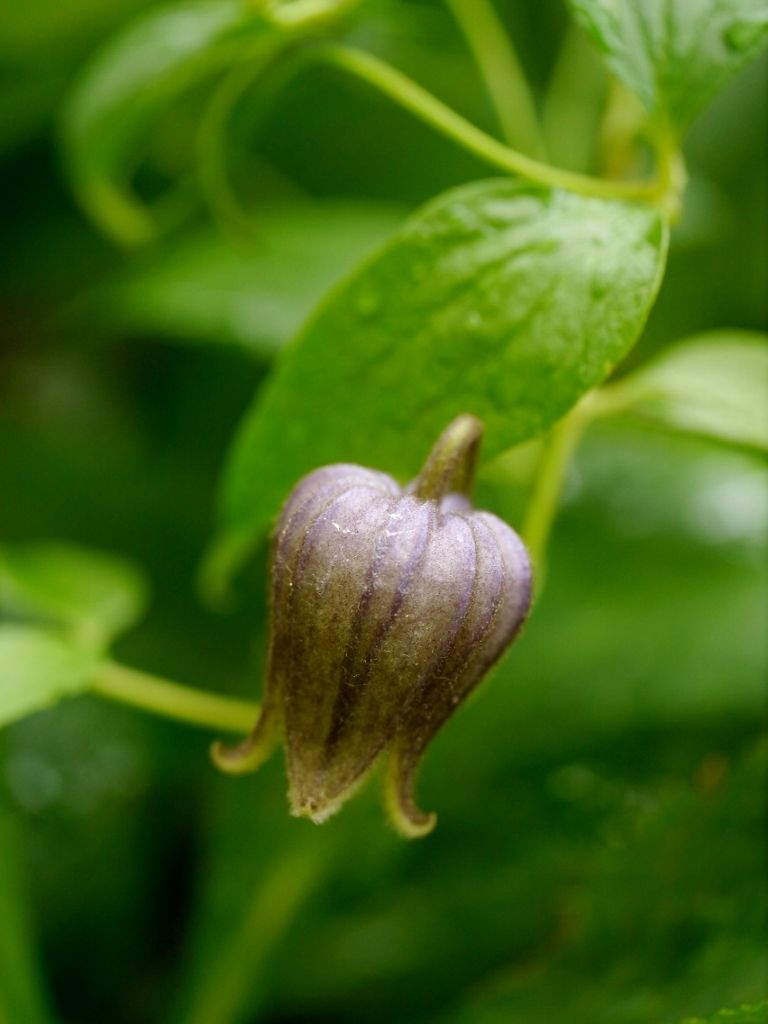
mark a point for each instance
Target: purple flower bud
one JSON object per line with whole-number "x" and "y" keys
{"x": 388, "y": 606}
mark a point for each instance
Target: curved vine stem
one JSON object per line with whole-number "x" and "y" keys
{"x": 211, "y": 144}
{"x": 663, "y": 190}
{"x": 274, "y": 69}
{"x": 173, "y": 700}
{"x": 412, "y": 97}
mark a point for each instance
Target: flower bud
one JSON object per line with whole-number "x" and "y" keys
{"x": 388, "y": 606}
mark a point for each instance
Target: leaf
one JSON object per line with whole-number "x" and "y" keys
{"x": 253, "y": 293}
{"x": 713, "y": 384}
{"x": 96, "y": 595}
{"x": 130, "y": 82}
{"x": 37, "y": 669}
{"x": 676, "y": 55}
{"x": 497, "y": 299}
{"x": 756, "y": 1013}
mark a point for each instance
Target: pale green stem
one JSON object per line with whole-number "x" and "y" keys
{"x": 172, "y": 700}
{"x": 557, "y": 453}
{"x": 573, "y": 101}
{"x": 559, "y": 447}
{"x": 303, "y": 13}
{"x": 432, "y": 111}
{"x": 211, "y": 144}
{"x": 672, "y": 172}
{"x": 23, "y": 995}
{"x": 272, "y": 74}
{"x": 616, "y": 398}
{"x": 232, "y": 982}
{"x": 622, "y": 126}
{"x": 504, "y": 78}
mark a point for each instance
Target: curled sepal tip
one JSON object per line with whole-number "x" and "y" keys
{"x": 253, "y": 751}
{"x": 405, "y": 816}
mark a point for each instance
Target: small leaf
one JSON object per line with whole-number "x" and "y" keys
{"x": 131, "y": 81}
{"x": 253, "y": 293}
{"x": 37, "y": 669}
{"x": 676, "y": 55}
{"x": 95, "y": 595}
{"x": 713, "y": 384}
{"x": 498, "y": 299}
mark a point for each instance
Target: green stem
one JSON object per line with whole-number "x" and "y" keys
{"x": 500, "y": 67}
{"x": 450, "y": 466}
{"x": 211, "y": 144}
{"x": 173, "y": 700}
{"x": 272, "y": 69}
{"x": 559, "y": 447}
{"x": 623, "y": 125}
{"x": 672, "y": 173}
{"x": 616, "y": 398}
{"x": 23, "y": 994}
{"x": 303, "y": 13}
{"x": 572, "y": 103}
{"x": 232, "y": 983}
{"x": 432, "y": 111}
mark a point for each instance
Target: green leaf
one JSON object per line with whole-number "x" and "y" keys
{"x": 253, "y": 293}
{"x": 713, "y": 384}
{"x": 37, "y": 669}
{"x": 676, "y": 55}
{"x": 497, "y": 299}
{"x": 756, "y": 1013}
{"x": 131, "y": 81}
{"x": 95, "y": 595}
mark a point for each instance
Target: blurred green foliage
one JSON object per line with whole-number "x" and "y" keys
{"x": 600, "y": 855}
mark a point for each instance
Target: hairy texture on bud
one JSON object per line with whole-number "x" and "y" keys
{"x": 388, "y": 607}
